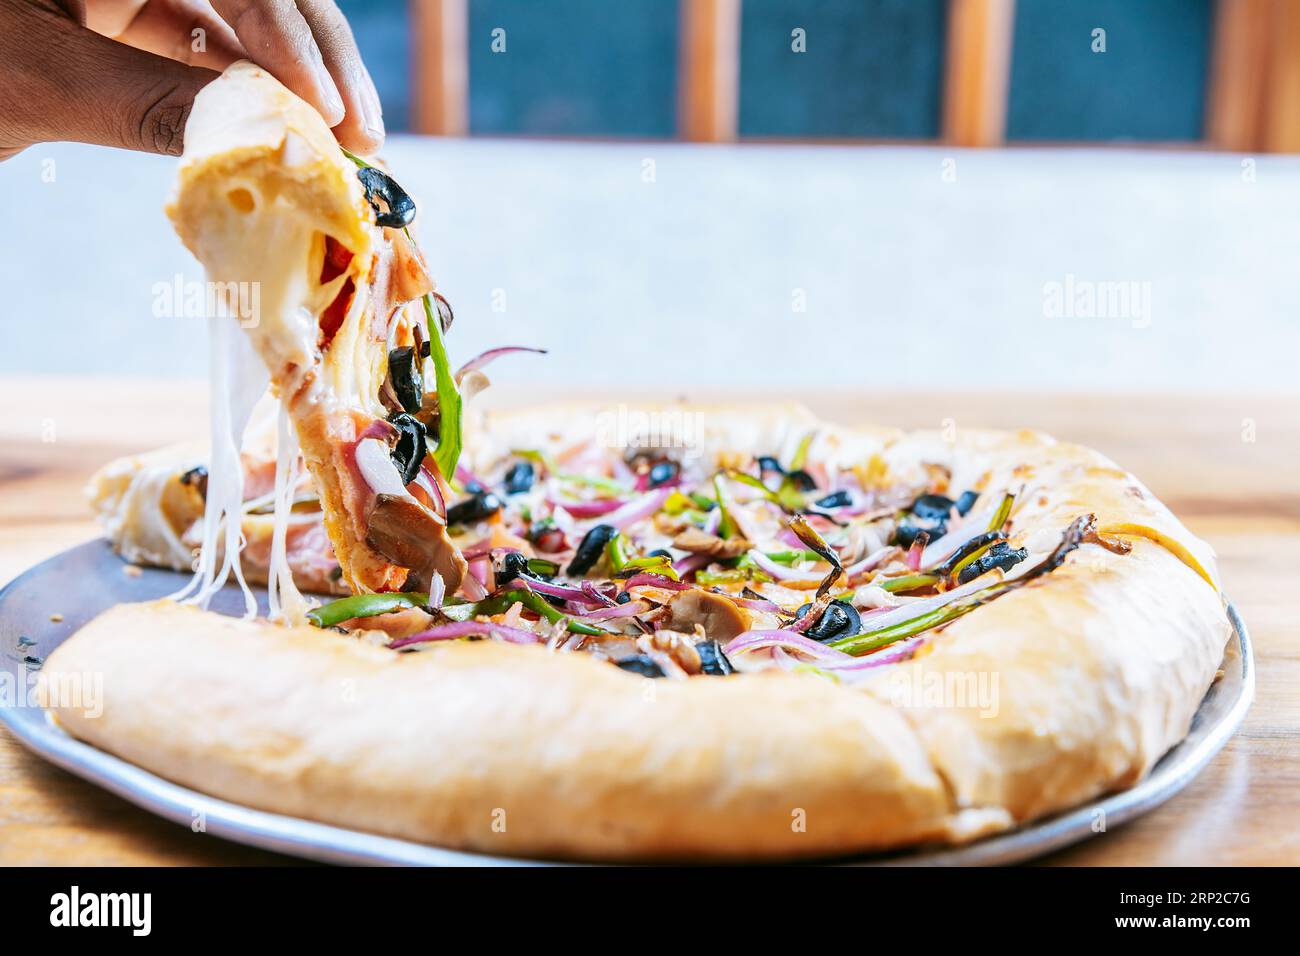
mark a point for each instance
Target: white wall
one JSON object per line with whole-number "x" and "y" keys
{"x": 910, "y": 280}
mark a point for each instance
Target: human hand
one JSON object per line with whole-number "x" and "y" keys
{"x": 124, "y": 72}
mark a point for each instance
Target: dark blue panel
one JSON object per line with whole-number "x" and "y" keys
{"x": 574, "y": 67}
{"x": 382, "y": 32}
{"x": 1148, "y": 85}
{"x": 873, "y": 68}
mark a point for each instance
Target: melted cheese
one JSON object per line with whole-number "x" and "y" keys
{"x": 284, "y": 600}
{"x": 237, "y": 380}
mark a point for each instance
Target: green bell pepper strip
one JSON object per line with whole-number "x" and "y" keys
{"x": 447, "y": 453}
{"x": 801, "y": 453}
{"x": 1004, "y": 511}
{"x": 615, "y": 552}
{"x": 608, "y": 485}
{"x": 727, "y": 526}
{"x": 908, "y": 582}
{"x": 364, "y": 605}
{"x": 860, "y": 644}
{"x": 653, "y": 564}
{"x": 500, "y": 603}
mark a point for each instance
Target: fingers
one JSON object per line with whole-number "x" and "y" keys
{"x": 186, "y": 30}
{"x": 362, "y": 129}
{"x": 278, "y": 39}
{"x": 115, "y": 96}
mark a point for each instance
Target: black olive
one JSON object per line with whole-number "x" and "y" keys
{"x": 802, "y": 480}
{"x": 379, "y": 185}
{"x": 520, "y": 478}
{"x": 768, "y": 463}
{"x": 712, "y": 661}
{"x": 426, "y": 350}
{"x": 1001, "y": 555}
{"x": 198, "y": 477}
{"x": 623, "y": 597}
{"x": 641, "y": 664}
{"x": 410, "y": 449}
{"x": 660, "y": 553}
{"x": 840, "y": 619}
{"x": 932, "y": 507}
{"x": 662, "y": 472}
{"x": 589, "y": 550}
{"x": 512, "y": 565}
{"x": 975, "y": 544}
{"x": 966, "y": 502}
{"x": 405, "y": 376}
{"x": 907, "y": 533}
{"x": 476, "y": 508}
{"x": 836, "y": 499}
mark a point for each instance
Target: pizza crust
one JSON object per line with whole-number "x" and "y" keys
{"x": 1098, "y": 669}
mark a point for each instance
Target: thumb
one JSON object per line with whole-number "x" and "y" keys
{"x": 63, "y": 81}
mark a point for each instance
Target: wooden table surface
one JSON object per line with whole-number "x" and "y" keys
{"x": 1229, "y": 465}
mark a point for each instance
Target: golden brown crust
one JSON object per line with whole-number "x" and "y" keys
{"x": 1065, "y": 689}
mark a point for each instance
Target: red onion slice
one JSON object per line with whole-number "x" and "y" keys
{"x": 618, "y": 610}
{"x": 756, "y": 640}
{"x": 377, "y": 468}
{"x": 444, "y": 632}
{"x": 779, "y": 572}
{"x": 646, "y": 579}
{"x": 483, "y": 358}
{"x": 638, "y": 509}
{"x": 590, "y": 509}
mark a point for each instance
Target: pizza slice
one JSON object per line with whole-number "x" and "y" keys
{"x": 346, "y": 320}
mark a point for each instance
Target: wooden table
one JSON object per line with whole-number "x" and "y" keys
{"x": 1229, "y": 465}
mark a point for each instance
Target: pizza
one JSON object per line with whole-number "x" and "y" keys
{"x": 608, "y": 631}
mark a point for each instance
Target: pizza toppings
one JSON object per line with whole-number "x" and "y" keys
{"x": 392, "y": 205}
{"x": 709, "y": 573}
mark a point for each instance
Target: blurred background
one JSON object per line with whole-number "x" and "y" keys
{"x": 1079, "y": 194}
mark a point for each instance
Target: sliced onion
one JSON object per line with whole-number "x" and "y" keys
{"x": 629, "y": 609}
{"x": 890, "y": 655}
{"x": 483, "y": 358}
{"x": 646, "y": 579}
{"x": 437, "y": 590}
{"x": 638, "y": 509}
{"x": 430, "y": 484}
{"x": 756, "y": 604}
{"x": 921, "y": 606}
{"x": 756, "y": 640}
{"x": 377, "y": 469}
{"x": 562, "y": 592}
{"x": 444, "y": 632}
{"x": 473, "y": 588}
{"x": 691, "y": 563}
{"x": 590, "y": 509}
{"x": 779, "y": 572}
{"x": 598, "y": 597}
{"x": 974, "y": 526}
{"x": 870, "y": 562}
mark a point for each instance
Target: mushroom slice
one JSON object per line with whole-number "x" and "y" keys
{"x": 721, "y": 619}
{"x": 410, "y": 535}
{"x": 701, "y": 542}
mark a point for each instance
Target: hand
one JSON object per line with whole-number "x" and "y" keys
{"x": 124, "y": 72}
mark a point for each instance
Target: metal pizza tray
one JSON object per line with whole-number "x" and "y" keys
{"x": 79, "y": 583}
